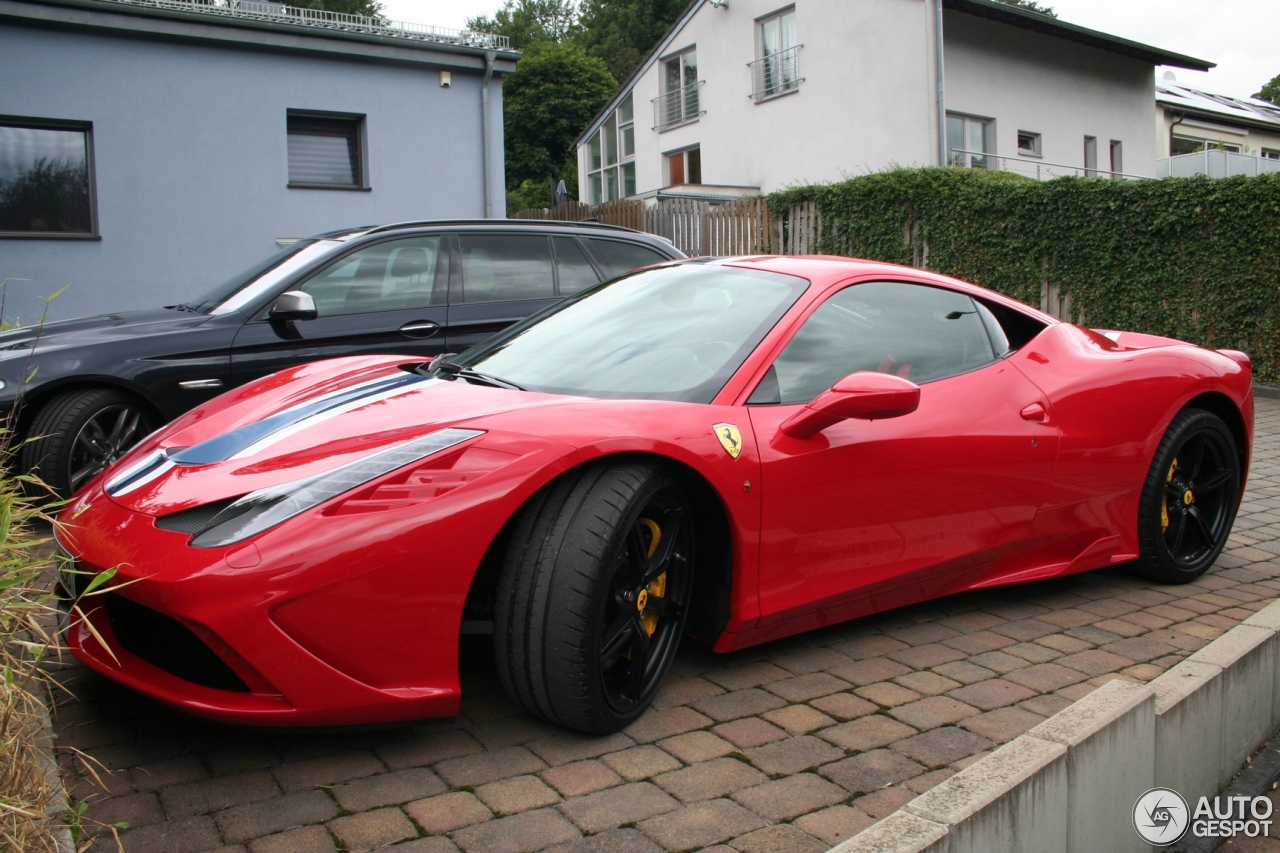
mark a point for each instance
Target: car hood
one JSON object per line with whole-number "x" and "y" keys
{"x": 86, "y": 331}
{"x": 297, "y": 424}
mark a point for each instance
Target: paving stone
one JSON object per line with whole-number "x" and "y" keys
{"x": 866, "y": 733}
{"x": 1138, "y": 649}
{"x": 870, "y": 670}
{"x": 627, "y": 840}
{"x": 1095, "y": 662}
{"x": 448, "y": 812}
{"x": 1063, "y": 644}
{"x": 138, "y": 809}
{"x": 921, "y": 634}
{"x": 747, "y": 675}
{"x": 802, "y": 688}
{"x": 372, "y": 830}
{"x": 1025, "y": 630}
{"x": 697, "y": 746}
{"x": 926, "y": 656}
{"x": 884, "y": 802}
{"x": 521, "y": 833}
{"x": 804, "y": 661}
{"x": 641, "y": 762}
{"x": 512, "y": 731}
{"x": 932, "y": 712}
{"x": 1121, "y": 627}
{"x": 993, "y": 693}
{"x": 581, "y": 777}
{"x": 790, "y": 797}
{"x": 792, "y": 755}
{"x": 925, "y": 781}
{"x": 710, "y": 779}
{"x": 886, "y": 694}
{"x": 876, "y": 645}
{"x": 166, "y": 774}
{"x": 571, "y": 746}
{"x": 927, "y": 683}
{"x": 192, "y": 835}
{"x": 1045, "y": 677}
{"x": 971, "y": 622}
{"x": 1146, "y": 620}
{"x": 343, "y": 767}
{"x": 388, "y": 789}
{"x": 799, "y": 719}
{"x": 844, "y": 706}
{"x": 749, "y": 732}
{"x": 423, "y": 845}
{"x": 1003, "y": 724}
{"x": 941, "y": 746}
{"x": 241, "y": 823}
{"x": 1093, "y": 634}
{"x": 611, "y": 808}
{"x": 1033, "y": 652}
{"x": 964, "y": 672}
{"x": 304, "y": 839}
{"x": 834, "y": 825}
{"x": 700, "y": 825}
{"x": 871, "y": 771}
{"x": 685, "y": 691}
{"x": 490, "y": 766}
{"x": 1000, "y": 663}
{"x": 739, "y": 703}
{"x": 655, "y": 725}
{"x": 778, "y": 839}
{"x": 523, "y": 793}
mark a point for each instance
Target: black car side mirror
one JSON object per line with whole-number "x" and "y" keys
{"x": 863, "y": 395}
{"x": 294, "y": 305}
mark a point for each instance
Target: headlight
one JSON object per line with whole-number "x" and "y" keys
{"x": 265, "y": 508}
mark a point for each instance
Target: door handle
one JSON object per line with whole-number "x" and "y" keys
{"x": 1034, "y": 412}
{"x": 419, "y": 329}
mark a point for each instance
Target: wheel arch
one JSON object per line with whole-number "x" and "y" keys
{"x": 713, "y": 582}
{"x": 1226, "y": 409}
{"x": 30, "y": 404}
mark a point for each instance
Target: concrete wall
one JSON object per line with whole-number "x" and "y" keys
{"x": 191, "y": 159}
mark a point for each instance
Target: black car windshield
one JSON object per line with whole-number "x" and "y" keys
{"x": 669, "y": 333}
{"x": 215, "y": 296}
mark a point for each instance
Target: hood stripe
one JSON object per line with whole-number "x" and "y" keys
{"x": 235, "y": 443}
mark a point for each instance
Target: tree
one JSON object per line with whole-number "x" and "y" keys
{"x": 621, "y": 32}
{"x": 1031, "y": 7}
{"x": 1270, "y": 92}
{"x": 528, "y": 21}
{"x": 368, "y": 8}
{"x": 555, "y": 91}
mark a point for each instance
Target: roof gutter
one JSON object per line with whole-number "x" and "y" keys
{"x": 941, "y": 83}
{"x": 489, "y": 57}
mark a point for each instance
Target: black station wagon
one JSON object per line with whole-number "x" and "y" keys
{"x": 86, "y": 390}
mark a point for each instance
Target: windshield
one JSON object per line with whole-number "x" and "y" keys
{"x": 671, "y": 333}
{"x": 247, "y": 285}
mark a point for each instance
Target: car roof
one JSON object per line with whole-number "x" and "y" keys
{"x": 504, "y": 224}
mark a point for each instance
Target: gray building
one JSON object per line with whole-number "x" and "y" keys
{"x": 150, "y": 149}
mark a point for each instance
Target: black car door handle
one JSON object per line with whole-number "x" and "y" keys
{"x": 419, "y": 329}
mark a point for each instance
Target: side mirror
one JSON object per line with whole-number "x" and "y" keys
{"x": 294, "y": 305}
{"x": 866, "y": 396}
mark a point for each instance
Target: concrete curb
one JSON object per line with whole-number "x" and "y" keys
{"x": 1070, "y": 783}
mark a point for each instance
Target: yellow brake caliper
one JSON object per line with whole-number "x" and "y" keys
{"x": 1164, "y": 504}
{"x": 658, "y": 586}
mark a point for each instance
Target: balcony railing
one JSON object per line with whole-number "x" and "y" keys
{"x": 776, "y": 75}
{"x": 1215, "y": 164}
{"x": 677, "y": 107}
{"x": 1030, "y": 168}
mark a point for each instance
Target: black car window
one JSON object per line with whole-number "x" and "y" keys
{"x": 622, "y": 257}
{"x": 389, "y": 276}
{"x": 572, "y": 267}
{"x": 505, "y": 267}
{"x": 914, "y": 331}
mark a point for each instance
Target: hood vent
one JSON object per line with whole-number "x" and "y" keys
{"x": 192, "y": 521}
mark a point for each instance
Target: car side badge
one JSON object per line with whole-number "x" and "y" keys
{"x": 730, "y": 439}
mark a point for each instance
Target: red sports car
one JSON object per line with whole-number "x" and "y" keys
{"x": 736, "y": 449}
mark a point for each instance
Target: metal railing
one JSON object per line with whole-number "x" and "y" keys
{"x": 1214, "y": 163}
{"x": 776, "y": 75}
{"x": 677, "y": 107}
{"x": 278, "y": 13}
{"x": 1035, "y": 168}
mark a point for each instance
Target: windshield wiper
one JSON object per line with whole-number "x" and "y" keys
{"x": 440, "y": 366}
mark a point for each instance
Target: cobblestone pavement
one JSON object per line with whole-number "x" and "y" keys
{"x": 790, "y": 746}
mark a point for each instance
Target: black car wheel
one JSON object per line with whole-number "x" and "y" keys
{"x": 1190, "y": 498}
{"x": 76, "y": 435}
{"x": 593, "y": 595}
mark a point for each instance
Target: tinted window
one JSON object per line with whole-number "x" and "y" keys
{"x": 573, "y": 268}
{"x": 390, "y": 276}
{"x": 505, "y": 267}
{"x": 621, "y": 257}
{"x": 916, "y": 332}
{"x": 45, "y": 180}
{"x": 324, "y": 151}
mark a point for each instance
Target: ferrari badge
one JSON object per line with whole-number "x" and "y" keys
{"x": 730, "y": 439}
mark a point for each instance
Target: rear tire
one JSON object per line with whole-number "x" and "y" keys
{"x": 76, "y": 435}
{"x": 1190, "y": 498}
{"x": 593, "y": 595}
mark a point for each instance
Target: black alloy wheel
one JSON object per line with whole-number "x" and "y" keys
{"x": 76, "y": 435}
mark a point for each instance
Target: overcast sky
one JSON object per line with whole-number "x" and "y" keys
{"x": 1241, "y": 36}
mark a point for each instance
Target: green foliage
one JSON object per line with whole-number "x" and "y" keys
{"x": 1031, "y": 6}
{"x": 368, "y": 8}
{"x": 1270, "y": 92}
{"x": 1191, "y": 258}
{"x": 555, "y": 91}
{"x": 528, "y": 21}
{"x": 622, "y": 32}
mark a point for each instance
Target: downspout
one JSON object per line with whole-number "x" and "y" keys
{"x": 1177, "y": 121}
{"x": 489, "y": 57}
{"x": 941, "y": 85}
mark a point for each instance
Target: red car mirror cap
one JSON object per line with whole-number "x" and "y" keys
{"x": 864, "y": 395}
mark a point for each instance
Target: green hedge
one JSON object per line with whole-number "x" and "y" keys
{"x": 1191, "y": 258}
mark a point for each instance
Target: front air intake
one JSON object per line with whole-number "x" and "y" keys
{"x": 169, "y": 645}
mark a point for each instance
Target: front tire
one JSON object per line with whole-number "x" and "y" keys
{"x": 1190, "y": 498}
{"x": 593, "y": 595}
{"x": 76, "y": 435}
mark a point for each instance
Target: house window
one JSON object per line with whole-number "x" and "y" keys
{"x": 1193, "y": 145}
{"x": 46, "y": 178}
{"x": 969, "y": 139}
{"x": 1091, "y": 157}
{"x": 777, "y": 71}
{"x": 326, "y": 151}
{"x": 1270, "y": 154}
{"x": 1029, "y": 143}
{"x": 612, "y": 150}
{"x": 684, "y": 167}
{"x": 1117, "y": 158}
{"x": 678, "y": 103}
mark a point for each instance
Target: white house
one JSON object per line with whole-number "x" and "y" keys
{"x": 1203, "y": 132}
{"x": 747, "y": 96}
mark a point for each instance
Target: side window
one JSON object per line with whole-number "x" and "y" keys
{"x": 622, "y": 257}
{"x": 505, "y": 267}
{"x": 917, "y": 332}
{"x": 572, "y": 267}
{"x": 391, "y": 276}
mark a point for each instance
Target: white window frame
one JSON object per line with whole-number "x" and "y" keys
{"x": 683, "y": 155}
{"x": 985, "y": 160}
{"x": 612, "y": 179}
{"x": 776, "y": 74}
{"x": 1037, "y": 146}
{"x": 680, "y": 106}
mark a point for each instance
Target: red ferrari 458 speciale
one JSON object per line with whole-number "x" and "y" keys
{"x": 736, "y": 449}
